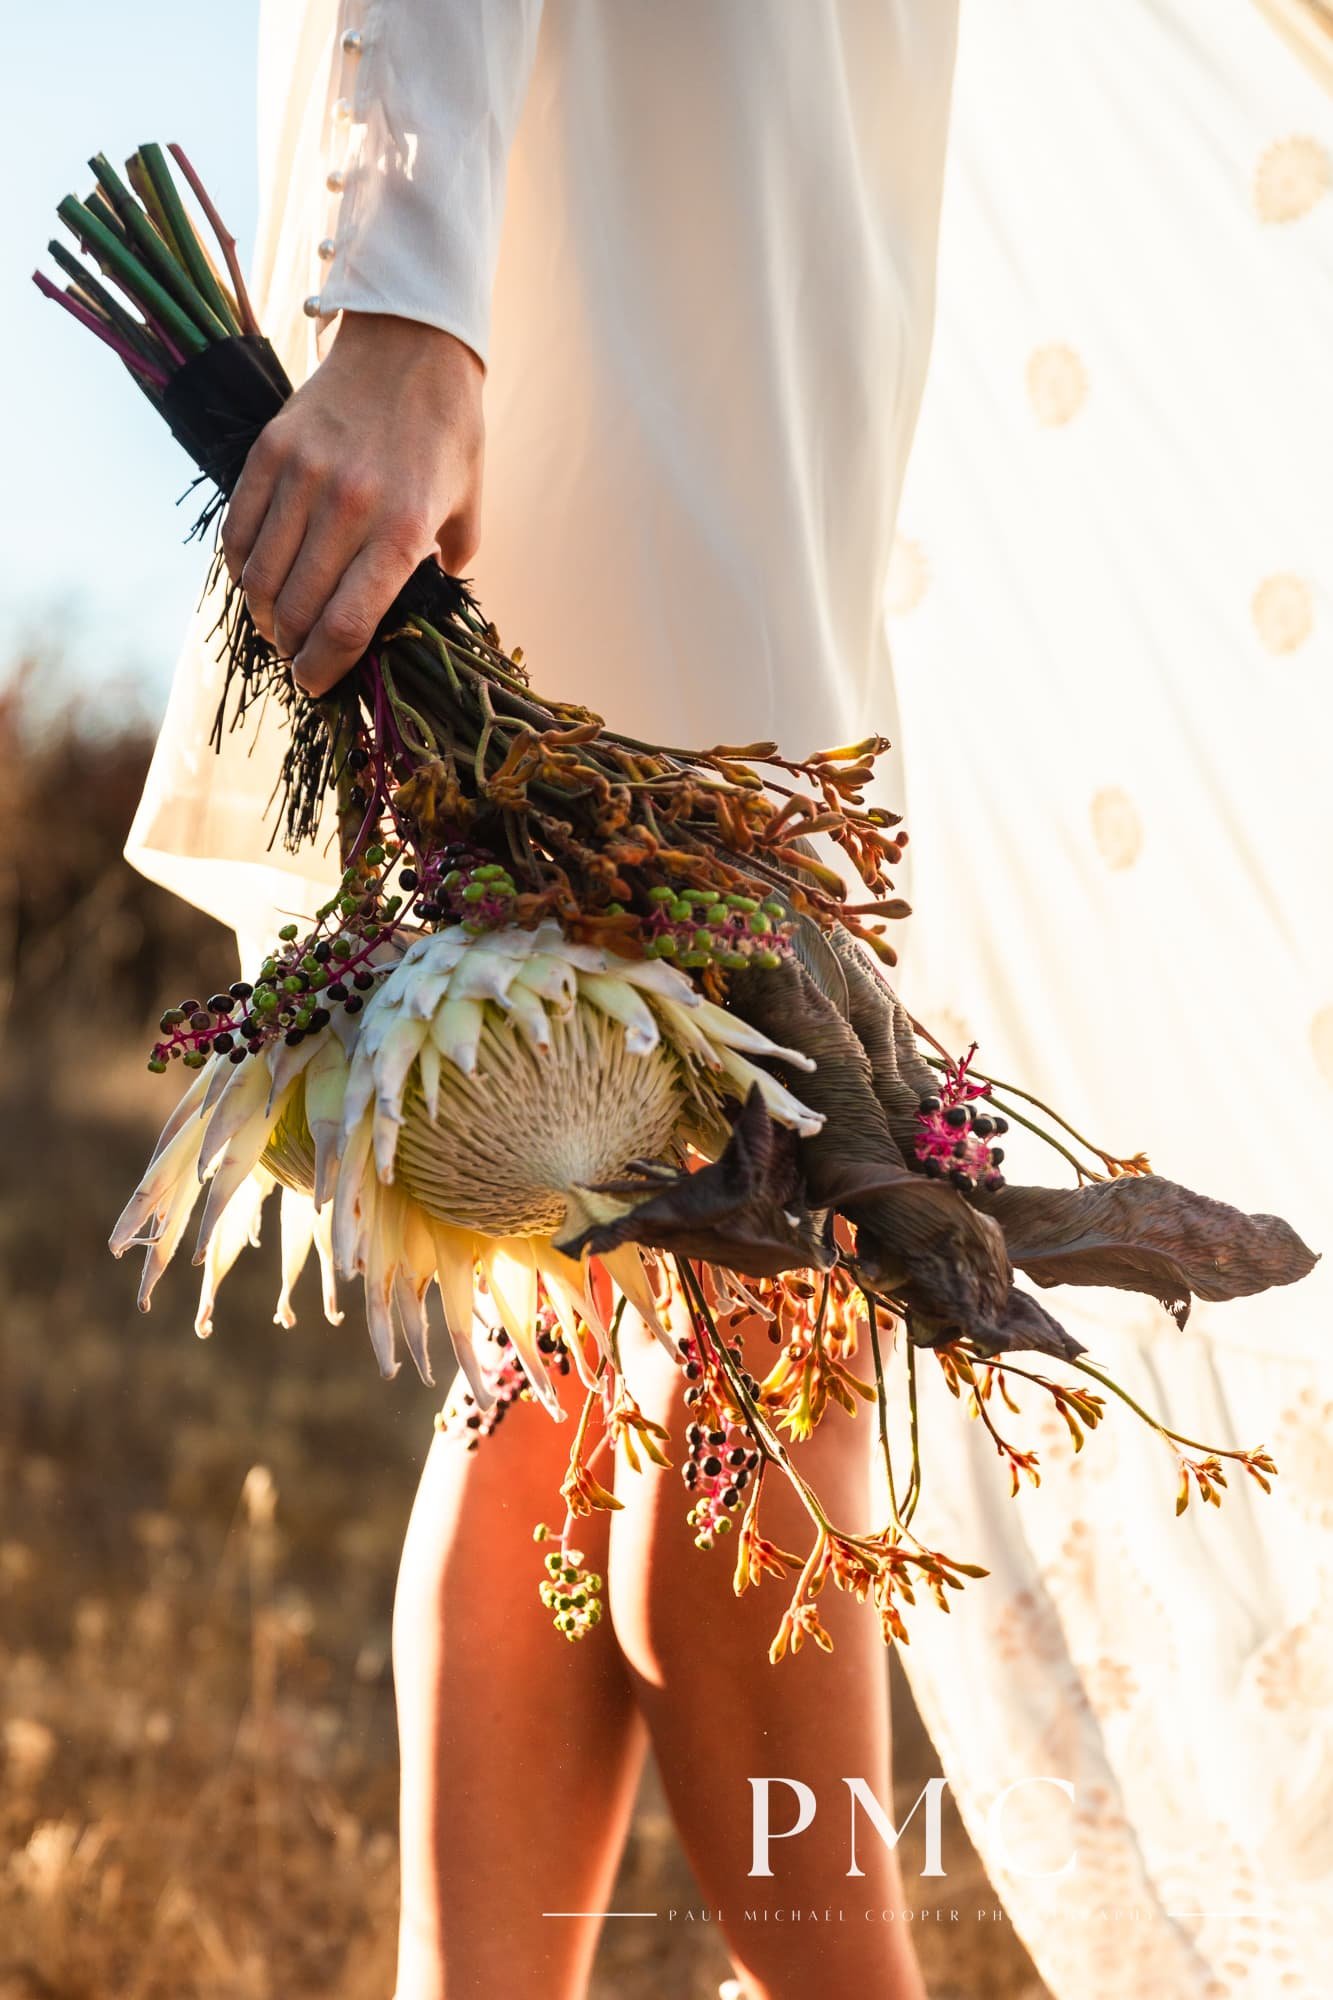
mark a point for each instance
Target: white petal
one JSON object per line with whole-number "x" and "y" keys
{"x": 733, "y": 1033}
{"x": 788, "y": 1110}
{"x": 161, "y": 1251}
{"x": 410, "y": 1309}
{"x": 238, "y": 1228}
{"x": 359, "y": 1093}
{"x": 456, "y": 1032}
{"x": 583, "y": 957}
{"x": 347, "y": 1028}
{"x": 428, "y": 988}
{"x": 430, "y": 1060}
{"x": 529, "y": 1015}
{"x": 609, "y": 993}
{"x": 455, "y": 1264}
{"x": 550, "y": 977}
{"x": 483, "y": 975}
{"x": 170, "y": 1177}
{"x": 659, "y": 976}
{"x": 187, "y": 1104}
{"x": 325, "y": 1095}
{"x": 216, "y": 1076}
{"x": 566, "y": 1286}
{"x": 392, "y": 1065}
{"x": 297, "y": 1223}
{"x": 625, "y": 1265}
{"x": 350, "y": 1196}
{"x": 246, "y": 1093}
{"x": 328, "y": 1277}
{"x": 241, "y": 1157}
{"x": 285, "y": 1064}
{"x": 382, "y": 1242}
{"x": 684, "y": 1033}
{"x": 413, "y": 1283}
{"x": 511, "y": 1274}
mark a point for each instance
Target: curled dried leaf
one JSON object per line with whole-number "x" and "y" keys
{"x": 745, "y": 1211}
{"x": 1145, "y": 1234}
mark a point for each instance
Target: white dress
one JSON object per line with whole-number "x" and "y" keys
{"x": 1112, "y": 633}
{"x": 706, "y": 340}
{"x": 711, "y": 318}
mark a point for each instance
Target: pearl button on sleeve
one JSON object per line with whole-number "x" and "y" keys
{"x": 427, "y": 97}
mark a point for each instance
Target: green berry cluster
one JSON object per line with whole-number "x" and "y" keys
{"x": 482, "y": 896}
{"x": 695, "y": 927}
{"x": 298, "y": 984}
{"x": 571, "y": 1593}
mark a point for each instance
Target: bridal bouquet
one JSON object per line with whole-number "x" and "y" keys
{"x": 591, "y": 1025}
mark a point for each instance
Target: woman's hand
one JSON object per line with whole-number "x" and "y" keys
{"x": 374, "y": 463}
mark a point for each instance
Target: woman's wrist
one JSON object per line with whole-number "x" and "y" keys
{"x": 369, "y": 339}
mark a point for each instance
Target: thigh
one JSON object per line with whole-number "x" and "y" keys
{"x": 721, "y": 1716}
{"x": 520, "y": 1750}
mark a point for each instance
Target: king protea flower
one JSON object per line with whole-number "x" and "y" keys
{"x": 450, "y": 1133}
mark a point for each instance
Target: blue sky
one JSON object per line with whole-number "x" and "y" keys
{"x": 92, "y": 551}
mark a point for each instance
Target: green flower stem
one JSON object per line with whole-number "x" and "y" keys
{"x": 427, "y": 663}
{"x": 770, "y": 1445}
{"x": 1016, "y": 1090}
{"x": 137, "y": 175}
{"x": 444, "y": 698}
{"x": 882, "y": 1403}
{"x": 99, "y": 206}
{"x": 425, "y": 745}
{"x": 521, "y": 850}
{"x": 613, "y": 1335}
{"x": 226, "y": 242}
{"x": 131, "y": 330}
{"x": 154, "y": 252}
{"x": 121, "y": 264}
{"x": 1176, "y": 1437}
{"x": 340, "y": 719}
{"x": 914, "y": 1426}
{"x": 484, "y": 740}
{"x": 590, "y": 1402}
{"x": 1011, "y": 1111}
{"x": 188, "y": 248}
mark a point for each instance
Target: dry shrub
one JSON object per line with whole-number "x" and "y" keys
{"x": 197, "y": 1737}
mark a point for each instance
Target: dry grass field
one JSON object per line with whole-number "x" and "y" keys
{"x": 198, "y": 1541}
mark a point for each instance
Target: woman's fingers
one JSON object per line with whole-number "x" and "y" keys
{"x": 335, "y": 534}
{"x": 249, "y": 503}
{"x": 346, "y": 624}
{"x": 344, "y": 492}
{"x": 276, "y": 551}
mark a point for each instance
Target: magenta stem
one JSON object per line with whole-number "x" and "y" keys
{"x": 162, "y": 337}
{"x": 148, "y": 371}
{"x": 225, "y": 239}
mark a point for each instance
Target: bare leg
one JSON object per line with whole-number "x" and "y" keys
{"x": 719, "y": 1714}
{"x": 520, "y": 1751}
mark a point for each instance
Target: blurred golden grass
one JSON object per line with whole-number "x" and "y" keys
{"x": 198, "y": 1542}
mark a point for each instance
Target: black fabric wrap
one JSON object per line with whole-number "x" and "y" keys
{"x": 219, "y": 401}
{"x": 430, "y": 593}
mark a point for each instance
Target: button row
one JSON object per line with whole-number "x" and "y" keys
{"x": 353, "y": 44}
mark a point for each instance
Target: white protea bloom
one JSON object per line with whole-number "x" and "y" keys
{"x": 496, "y": 1078}
{"x": 496, "y": 1074}
{"x": 444, "y": 1138}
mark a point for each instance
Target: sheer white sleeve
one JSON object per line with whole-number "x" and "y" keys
{"x": 429, "y": 96}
